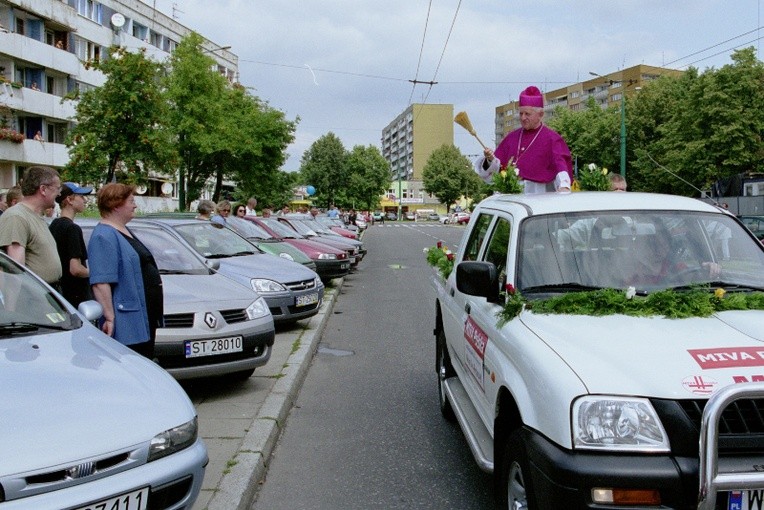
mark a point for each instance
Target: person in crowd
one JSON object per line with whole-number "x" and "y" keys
{"x": 617, "y": 182}
{"x": 72, "y": 252}
{"x": 123, "y": 273}
{"x": 34, "y": 87}
{"x": 3, "y": 202}
{"x": 24, "y": 234}
{"x": 333, "y": 212}
{"x": 223, "y": 212}
{"x": 38, "y": 136}
{"x": 60, "y": 44}
{"x": 240, "y": 211}
{"x": 250, "y": 209}
{"x": 539, "y": 153}
{"x": 204, "y": 209}
{"x": 13, "y": 196}
{"x": 285, "y": 210}
{"x": 267, "y": 212}
{"x": 50, "y": 214}
{"x": 314, "y": 211}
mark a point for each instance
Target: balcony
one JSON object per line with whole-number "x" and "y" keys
{"x": 33, "y": 152}
{"x": 36, "y": 103}
{"x": 38, "y": 53}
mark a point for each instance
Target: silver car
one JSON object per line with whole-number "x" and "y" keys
{"x": 87, "y": 423}
{"x": 292, "y": 291}
{"x": 212, "y": 326}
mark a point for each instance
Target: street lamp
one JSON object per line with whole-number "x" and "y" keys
{"x": 623, "y": 119}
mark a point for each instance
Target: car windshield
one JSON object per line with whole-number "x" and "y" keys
{"x": 301, "y": 227}
{"x": 171, "y": 255}
{"x": 212, "y": 240}
{"x": 27, "y": 306}
{"x": 282, "y": 230}
{"x": 647, "y": 250}
{"x": 246, "y": 228}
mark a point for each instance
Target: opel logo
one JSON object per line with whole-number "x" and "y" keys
{"x": 81, "y": 470}
{"x": 210, "y": 320}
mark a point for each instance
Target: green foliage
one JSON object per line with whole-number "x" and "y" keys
{"x": 441, "y": 259}
{"x": 698, "y": 302}
{"x": 324, "y": 166}
{"x": 506, "y": 181}
{"x": 448, "y": 175}
{"x": 121, "y": 126}
{"x": 368, "y": 177}
{"x": 593, "y": 178}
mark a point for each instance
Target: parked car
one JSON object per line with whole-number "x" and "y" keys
{"x": 391, "y": 216}
{"x": 292, "y": 291}
{"x": 268, "y": 243}
{"x": 87, "y": 422}
{"x": 604, "y": 350}
{"x": 444, "y": 219}
{"x": 336, "y": 226}
{"x": 410, "y": 215}
{"x": 377, "y": 215}
{"x": 310, "y": 228}
{"x": 330, "y": 262}
{"x": 213, "y": 326}
{"x": 755, "y": 224}
{"x": 433, "y": 217}
{"x": 460, "y": 218}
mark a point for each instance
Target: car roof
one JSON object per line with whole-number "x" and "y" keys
{"x": 549, "y": 203}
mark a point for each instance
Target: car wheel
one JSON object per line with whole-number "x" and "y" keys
{"x": 445, "y": 370}
{"x": 514, "y": 490}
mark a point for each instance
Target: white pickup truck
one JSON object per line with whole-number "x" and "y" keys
{"x": 606, "y": 350}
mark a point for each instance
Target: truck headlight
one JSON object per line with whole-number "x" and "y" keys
{"x": 257, "y": 309}
{"x": 602, "y": 422}
{"x": 264, "y": 286}
{"x": 173, "y": 440}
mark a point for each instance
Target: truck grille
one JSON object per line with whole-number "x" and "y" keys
{"x": 740, "y": 417}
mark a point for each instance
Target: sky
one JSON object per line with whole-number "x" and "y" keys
{"x": 347, "y": 66}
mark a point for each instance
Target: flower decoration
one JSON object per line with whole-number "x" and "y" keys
{"x": 699, "y": 301}
{"x": 506, "y": 180}
{"x": 593, "y": 178}
{"x": 441, "y": 258}
{"x": 11, "y": 135}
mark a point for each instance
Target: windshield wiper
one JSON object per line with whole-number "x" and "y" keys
{"x": 26, "y": 327}
{"x": 173, "y": 271}
{"x": 242, "y": 253}
{"x": 727, "y": 286}
{"x": 218, "y": 256}
{"x": 559, "y": 287}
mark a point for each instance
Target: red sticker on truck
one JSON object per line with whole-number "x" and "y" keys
{"x": 474, "y": 350}
{"x": 728, "y": 357}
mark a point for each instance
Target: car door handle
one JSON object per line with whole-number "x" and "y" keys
{"x": 451, "y": 291}
{"x": 467, "y": 308}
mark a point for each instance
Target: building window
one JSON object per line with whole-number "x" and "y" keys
{"x": 20, "y": 29}
{"x": 140, "y": 32}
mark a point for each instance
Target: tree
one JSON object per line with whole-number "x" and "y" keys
{"x": 324, "y": 167}
{"x": 121, "y": 125}
{"x": 369, "y": 176}
{"x": 448, "y": 175}
{"x": 195, "y": 94}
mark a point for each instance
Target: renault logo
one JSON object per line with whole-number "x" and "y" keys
{"x": 210, "y": 320}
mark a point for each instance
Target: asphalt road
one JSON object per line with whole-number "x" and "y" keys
{"x": 366, "y": 431}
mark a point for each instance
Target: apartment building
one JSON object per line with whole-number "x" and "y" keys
{"x": 607, "y": 90}
{"x": 46, "y": 47}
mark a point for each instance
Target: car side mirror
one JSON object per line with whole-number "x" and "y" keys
{"x": 479, "y": 279}
{"x": 213, "y": 264}
{"x": 91, "y": 310}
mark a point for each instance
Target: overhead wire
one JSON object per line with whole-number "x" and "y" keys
{"x": 421, "y": 52}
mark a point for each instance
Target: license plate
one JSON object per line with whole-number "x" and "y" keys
{"x": 196, "y": 348}
{"x": 746, "y": 500}
{"x": 307, "y": 299}
{"x": 345, "y": 265}
{"x": 136, "y": 500}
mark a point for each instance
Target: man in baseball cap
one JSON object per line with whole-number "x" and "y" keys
{"x": 75, "y": 285}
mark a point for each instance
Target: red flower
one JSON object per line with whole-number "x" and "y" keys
{"x": 440, "y": 244}
{"x": 510, "y": 289}
{"x": 450, "y": 256}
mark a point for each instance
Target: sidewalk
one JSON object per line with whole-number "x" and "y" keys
{"x": 240, "y": 422}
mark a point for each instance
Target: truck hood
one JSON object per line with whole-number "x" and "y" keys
{"x": 656, "y": 357}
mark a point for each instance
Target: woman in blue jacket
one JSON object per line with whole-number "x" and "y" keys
{"x": 123, "y": 273}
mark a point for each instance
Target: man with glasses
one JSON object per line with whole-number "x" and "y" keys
{"x": 24, "y": 234}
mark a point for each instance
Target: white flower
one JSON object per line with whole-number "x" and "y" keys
{"x": 425, "y": 250}
{"x": 592, "y": 166}
{"x": 631, "y": 292}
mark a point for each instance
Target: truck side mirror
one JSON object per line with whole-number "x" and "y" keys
{"x": 478, "y": 279}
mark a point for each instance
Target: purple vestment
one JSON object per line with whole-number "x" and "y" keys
{"x": 540, "y": 154}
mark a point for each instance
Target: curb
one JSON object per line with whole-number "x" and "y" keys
{"x": 238, "y": 486}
